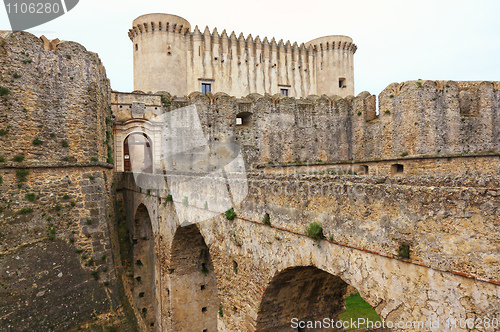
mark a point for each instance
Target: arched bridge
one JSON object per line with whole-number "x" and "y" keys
{"x": 261, "y": 272}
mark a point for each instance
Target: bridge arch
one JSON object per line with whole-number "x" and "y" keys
{"x": 304, "y": 293}
{"x": 193, "y": 284}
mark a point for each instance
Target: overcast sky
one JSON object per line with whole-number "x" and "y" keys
{"x": 397, "y": 40}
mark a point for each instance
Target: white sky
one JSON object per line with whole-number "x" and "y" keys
{"x": 397, "y": 40}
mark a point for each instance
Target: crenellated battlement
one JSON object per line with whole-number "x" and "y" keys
{"x": 414, "y": 119}
{"x": 159, "y": 22}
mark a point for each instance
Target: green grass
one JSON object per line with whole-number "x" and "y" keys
{"x": 356, "y": 308}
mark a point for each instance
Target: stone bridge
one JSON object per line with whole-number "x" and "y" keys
{"x": 246, "y": 275}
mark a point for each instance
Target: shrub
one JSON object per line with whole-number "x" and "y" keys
{"x": 68, "y": 56}
{"x": 419, "y": 85}
{"x": 66, "y": 196}
{"x": 404, "y": 154}
{"x": 18, "y": 159}
{"x": 37, "y": 142}
{"x": 51, "y": 233}
{"x": 266, "y": 220}
{"x": 110, "y": 161}
{"x": 4, "y": 91}
{"x": 25, "y": 210}
{"x": 22, "y": 174}
{"x": 359, "y": 113}
{"x": 52, "y": 135}
{"x": 404, "y": 250}
{"x": 221, "y": 313}
{"x": 315, "y": 231}
{"x": 169, "y": 198}
{"x": 94, "y": 159}
{"x": 4, "y": 132}
{"x": 391, "y": 96}
{"x": 16, "y": 75}
{"x": 95, "y": 274}
{"x": 65, "y": 144}
{"x": 1, "y": 179}
{"x": 388, "y": 112}
{"x": 30, "y": 197}
{"x": 230, "y": 214}
{"x": 2, "y": 159}
{"x": 73, "y": 203}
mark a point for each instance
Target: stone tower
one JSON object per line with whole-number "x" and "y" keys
{"x": 160, "y": 48}
{"x": 168, "y": 56}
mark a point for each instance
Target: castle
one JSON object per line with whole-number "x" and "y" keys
{"x": 406, "y": 192}
{"x": 168, "y": 56}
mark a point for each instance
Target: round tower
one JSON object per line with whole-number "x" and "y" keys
{"x": 160, "y": 53}
{"x": 334, "y": 65}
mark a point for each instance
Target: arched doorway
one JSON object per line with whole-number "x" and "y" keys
{"x": 193, "y": 293}
{"x": 143, "y": 267}
{"x": 302, "y": 294}
{"x": 137, "y": 153}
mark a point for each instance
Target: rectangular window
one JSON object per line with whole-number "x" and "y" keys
{"x": 284, "y": 92}
{"x": 136, "y": 47}
{"x": 342, "y": 83}
{"x": 206, "y": 87}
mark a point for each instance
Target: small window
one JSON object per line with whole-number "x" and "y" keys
{"x": 397, "y": 169}
{"x": 284, "y": 92}
{"x": 244, "y": 119}
{"x": 206, "y": 87}
{"x": 137, "y": 47}
{"x": 204, "y": 309}
{"x": 363, "y": 170}
{"x": 203, "y": 287}
{"x": 205, "y": 330}
{"x": 342, "y": 83}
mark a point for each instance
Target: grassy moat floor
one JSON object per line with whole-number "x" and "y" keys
{"x": 356, "y": 308}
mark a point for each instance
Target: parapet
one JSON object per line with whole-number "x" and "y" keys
{"x": 333, "y": 42}
{"x": 159, "y": 22}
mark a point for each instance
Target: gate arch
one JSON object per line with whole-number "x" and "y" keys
{"x": 138, "y": 153}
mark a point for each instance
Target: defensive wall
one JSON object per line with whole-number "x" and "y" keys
{"x": 56, "y": 188}
{"x": 425, "y": 127}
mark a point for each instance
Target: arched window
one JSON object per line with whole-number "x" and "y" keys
{"x": 138, "y": 153}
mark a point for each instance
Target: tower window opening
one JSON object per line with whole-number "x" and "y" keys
{"x": 137, "y": 47}
{"x": 342, "y": 83}
{"x": 206, "y": 87}
{"x": 204, "y": 309}
{"x": 284, "y": 91}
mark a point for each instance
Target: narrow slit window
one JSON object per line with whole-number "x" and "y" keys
{"x": 284, "y": 92}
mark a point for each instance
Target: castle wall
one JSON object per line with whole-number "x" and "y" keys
{"x": 425, "y": 126}
{"x": 56, "y": 188}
